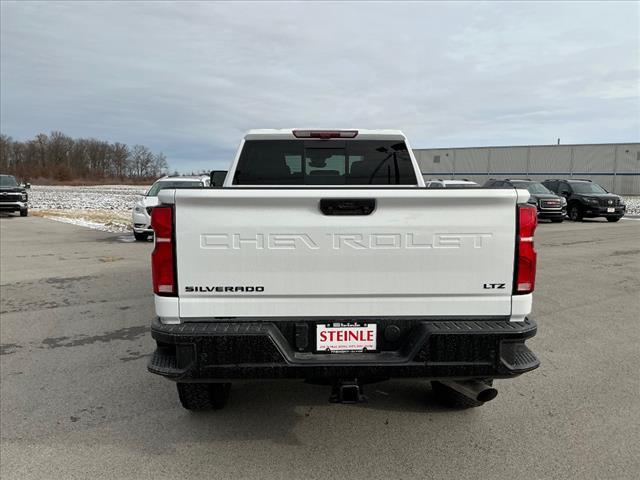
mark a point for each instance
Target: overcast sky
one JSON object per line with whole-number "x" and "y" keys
{"x": 189, "y": 78}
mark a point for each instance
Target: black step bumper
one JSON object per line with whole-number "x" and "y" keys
{"x": 218, "y": 350}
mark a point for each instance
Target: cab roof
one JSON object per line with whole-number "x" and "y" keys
{"x": 287, "y": 133}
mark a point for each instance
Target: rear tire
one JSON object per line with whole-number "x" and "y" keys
{"x": 450, "y": 398}
{"x": 141, "y": 237}
{"x": 575, "y": 213}
{"x": 24, "y": 212}
{"x": 613, "y": 219}
{"x": 203, "y": 396}
{"x": 557, "y": 220}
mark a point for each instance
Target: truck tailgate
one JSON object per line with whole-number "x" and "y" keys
{"x": 273, "y": 253}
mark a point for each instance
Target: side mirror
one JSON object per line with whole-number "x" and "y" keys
{"x": 564, "y": 193}
{"x": 27, "y": 185}
{"x": 216, "y": 178}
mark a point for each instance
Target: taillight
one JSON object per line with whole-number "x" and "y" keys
{"x": 162, "y": 264}
{"x": 525, "y": 267}
{"x": 325, "y": 134}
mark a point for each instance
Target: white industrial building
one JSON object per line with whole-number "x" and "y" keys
{"x": 615, "y": 166}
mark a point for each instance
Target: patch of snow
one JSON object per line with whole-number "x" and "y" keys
{"x": 633, "y": 204}
{"x": 101, "y": 207}
{"x": 100, "y": 197}
{"x": 104, "y": 220}
{"x": 83, "y": 222}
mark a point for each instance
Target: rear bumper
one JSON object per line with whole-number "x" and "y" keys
{"x": 434, "y": 349}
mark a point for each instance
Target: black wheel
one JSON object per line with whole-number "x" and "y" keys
{"x": 613, "y": 219}
{"x": 24, "y": 212}
{"x": 557, "y": 220}
{"x": 575, "y": 213}
{"x": 141, "y": 237}
{"x": 203, "y": 396}
{"x": 448, "y": 397}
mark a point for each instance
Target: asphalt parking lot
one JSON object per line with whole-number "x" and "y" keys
{"x": 76, "y": 400}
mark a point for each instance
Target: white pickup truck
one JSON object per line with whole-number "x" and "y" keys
{"x": 324, "y": 258}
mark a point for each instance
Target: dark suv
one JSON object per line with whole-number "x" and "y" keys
{"x": 587, "y": 199}
{"x": 549, "y": 205}
{"x": 13, "y": 196}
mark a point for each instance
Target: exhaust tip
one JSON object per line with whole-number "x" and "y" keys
{"x": 487, "y": 395}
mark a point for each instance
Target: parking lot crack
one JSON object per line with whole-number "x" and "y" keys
{"x": 128, "y": 333}
{"x": 8, "y": 348}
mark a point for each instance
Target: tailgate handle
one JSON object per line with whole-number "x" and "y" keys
{"x": 347, "y": 206}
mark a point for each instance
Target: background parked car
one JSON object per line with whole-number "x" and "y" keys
{"x": 440, "y": 183}
{"x": 587, "y": 199}
{"x": 13, "y": 196}
{"x": 550, "y": 205}
{"x": 142, "y": 210}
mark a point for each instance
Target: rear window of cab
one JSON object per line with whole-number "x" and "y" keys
{"x": 318, "y": 162}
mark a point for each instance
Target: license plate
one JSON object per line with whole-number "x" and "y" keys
{"x": 611, "y": 210}
{"x": 346, "y": 337}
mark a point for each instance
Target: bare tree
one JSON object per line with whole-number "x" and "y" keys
{"x": 141, "y": 161}
{"x": 41, "y": 144}
{"x": 58, "y": 158}
{"x": 64, "y": 158}
{"x": 5, "y": 151}
{"x": 120, "y": 159}
{"x": 160, "y": 165}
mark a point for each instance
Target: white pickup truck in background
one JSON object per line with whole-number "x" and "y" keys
{"x": 324, "y": 258}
